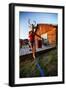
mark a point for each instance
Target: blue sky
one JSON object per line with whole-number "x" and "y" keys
{"x": 39, "y": 17}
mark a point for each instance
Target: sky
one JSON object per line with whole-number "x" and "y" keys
{"x": 39, "y": 17}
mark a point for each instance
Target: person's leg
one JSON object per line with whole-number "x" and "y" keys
{"x": 30, "y": 46}
{"x": 33, "y": 51}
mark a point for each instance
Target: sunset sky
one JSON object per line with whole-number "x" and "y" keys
{"x": 49, "y": 18}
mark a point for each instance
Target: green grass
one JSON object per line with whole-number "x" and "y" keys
{"x": 28, "y": 69}
{"x": 47, "y": 61}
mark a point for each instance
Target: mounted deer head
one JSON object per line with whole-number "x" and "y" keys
{"x": 32, "y": 26}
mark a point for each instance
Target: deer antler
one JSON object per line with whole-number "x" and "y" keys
{"x": 34, "y": 22}
{"x": 29, "y": 22}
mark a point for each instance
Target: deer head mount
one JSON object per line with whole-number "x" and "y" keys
{"x": 32, "y": 25}
{"x": 34, "y": 22}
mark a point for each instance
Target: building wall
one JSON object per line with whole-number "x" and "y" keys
{"x": 52, "y": 36}
{"x": 50, "y": 30}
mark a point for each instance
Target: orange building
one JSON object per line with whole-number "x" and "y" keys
{"x": 46, "y": 32}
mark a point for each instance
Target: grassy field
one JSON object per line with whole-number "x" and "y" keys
{"x": 47, "y": 61}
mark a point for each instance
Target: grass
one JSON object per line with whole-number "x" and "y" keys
{"x": 47, "y": 61}
{"x": 28, "y": 69}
